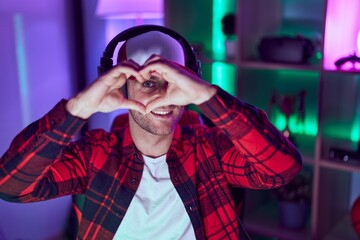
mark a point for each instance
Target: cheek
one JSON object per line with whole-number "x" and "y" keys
{"x": 134, "y": 92}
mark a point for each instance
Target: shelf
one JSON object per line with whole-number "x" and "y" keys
{"x": 332, "y": 93}
{"x": 277, "y": 66}
{"x": 209, "y": 60}
{"x": 349, "y": 166}
{"x": 349, "y": 71}
{"x": 264, "y": 221}
{"x": 343, "y": 230}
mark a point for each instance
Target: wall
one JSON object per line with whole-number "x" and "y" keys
{"x": 35, "y": 75}
{"x": 48, "y": 54}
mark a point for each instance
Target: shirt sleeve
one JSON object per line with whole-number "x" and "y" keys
{"x": 258, "y": 155}
{"x": 24, "y": 168}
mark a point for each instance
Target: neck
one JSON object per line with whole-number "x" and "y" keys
{"x": 150, "y": 144}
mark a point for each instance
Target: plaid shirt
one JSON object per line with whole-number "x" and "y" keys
{"x": 244, "y": 150}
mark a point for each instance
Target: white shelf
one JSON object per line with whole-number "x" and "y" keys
{"x": 276, "y": 66}
{"x": 350, "y": 166}
{"x": 349, "y": 71}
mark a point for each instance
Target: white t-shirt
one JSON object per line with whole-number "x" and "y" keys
{"x": 156, "y": 211}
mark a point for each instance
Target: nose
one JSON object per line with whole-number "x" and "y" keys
{"x": 161, "y": 89}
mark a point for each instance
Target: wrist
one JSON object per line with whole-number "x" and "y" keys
{"x": 205, "y": 95}
{"x": 75, "y": 108}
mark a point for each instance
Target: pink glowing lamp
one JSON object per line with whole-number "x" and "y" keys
{"x": 341, "y": 37}
{"x": 125, "y": 9}
{"x": 358, "y": 43}
{"x": 352, "y": 58}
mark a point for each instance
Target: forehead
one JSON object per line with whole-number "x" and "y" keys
{"x": 143, "y": 46}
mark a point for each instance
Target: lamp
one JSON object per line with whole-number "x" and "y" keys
{"x": 352, "y": 58}
{"x": 341, "y": 32}
{"x": 134, "y": 9}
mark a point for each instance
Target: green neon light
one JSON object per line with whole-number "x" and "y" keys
{"x": 224, "y": 75}
{"x": 318, "y": 55}
{"x": 355, "y": 130}
{"x": 218, "y": 40}
{"x": 220, "y": 9}
{"x": 286, "y": 74}
{"x": 310, "y": 124}
{"x": 308, "y": 127}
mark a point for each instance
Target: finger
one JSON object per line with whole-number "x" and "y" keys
{"x": 151, "y": 70}
{"x": 165, "y": 70}
{"x": 134, "y": 105}
{"x": 156, "y": 103}
{"x": 152, "y": 58}
{"x": 152, "y": 64}
{"x": 119, "y": 82}
{"x": 129, "y": 68}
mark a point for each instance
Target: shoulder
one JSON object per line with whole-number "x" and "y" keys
{"x": 97, "y": 136}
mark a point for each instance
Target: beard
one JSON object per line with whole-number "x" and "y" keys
{"x": 155, "y": 126}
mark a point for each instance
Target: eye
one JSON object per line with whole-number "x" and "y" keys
{"x": 149, "y": 84}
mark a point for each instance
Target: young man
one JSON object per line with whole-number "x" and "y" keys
{"x": 151, "y": 179}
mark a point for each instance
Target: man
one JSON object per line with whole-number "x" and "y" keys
{"x": 151, "y": 179}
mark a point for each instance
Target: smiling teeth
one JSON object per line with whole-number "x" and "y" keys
{"x": 160, "y": 112}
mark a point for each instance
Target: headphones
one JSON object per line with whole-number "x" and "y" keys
{"x": 106, "y": 61}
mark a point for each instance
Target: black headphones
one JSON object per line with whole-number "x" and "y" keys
{"x": 106, "y": 61}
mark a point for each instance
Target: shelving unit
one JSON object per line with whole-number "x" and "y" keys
{"x": 331, "y": 120}
{"x": 332, "y": 100}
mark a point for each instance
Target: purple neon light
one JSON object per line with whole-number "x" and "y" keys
{"x": 358, "y": 43}
{"x": 125, "y": 9}
{"x": 341, "y": 32}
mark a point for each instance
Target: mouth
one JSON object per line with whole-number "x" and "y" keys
{"x": 161, "y": 113}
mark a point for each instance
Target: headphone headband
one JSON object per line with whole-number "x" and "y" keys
{"x": 106, "y": 61}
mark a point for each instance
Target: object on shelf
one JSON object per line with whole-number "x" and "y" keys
{"x": 281, "y": 49}
{"x": 343, "y": 155}
{"x": 355, "y": 216}
{"x": 293, "y": 215}
{"x": 228, "y": 28}
{"x": 352, "y": 58}
{"x": 297, "y": 191}
{"x": 287, "y": 105}
{"x": 228, "y": 25}
{"x": 294, "y": 201}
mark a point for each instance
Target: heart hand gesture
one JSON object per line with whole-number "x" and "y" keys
{"x": 184, "y": 87}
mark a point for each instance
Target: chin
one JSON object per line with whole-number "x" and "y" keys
{"x": 160, "y": 128}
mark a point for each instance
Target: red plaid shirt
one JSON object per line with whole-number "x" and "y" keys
{"x": 244, "y": 150}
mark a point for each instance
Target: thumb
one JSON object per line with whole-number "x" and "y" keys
{"x": 134, "y": 105}
{"x": 157, "y": 102}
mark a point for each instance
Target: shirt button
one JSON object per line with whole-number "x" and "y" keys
{"x": 118, "y": 213}
{"x": 133, "y": 180}
{"x": 23, "y": 151}
{"x": 176, "y": 178}
{"x": 191, "y": 208}
{"x": 52, "y": 122}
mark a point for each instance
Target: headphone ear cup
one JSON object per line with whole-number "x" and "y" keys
{"x": 105, "y": 65}
{"x": 198, "y": 67}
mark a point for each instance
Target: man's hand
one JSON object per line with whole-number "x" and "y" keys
{"x": 104, "y": 94}
{"x": 184, "y": 86}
